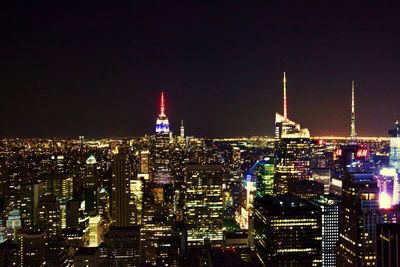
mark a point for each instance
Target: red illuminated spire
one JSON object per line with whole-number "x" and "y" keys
{"x": 162, "y": 105}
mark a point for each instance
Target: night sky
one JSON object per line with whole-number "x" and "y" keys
{"x": 98, "y": 69}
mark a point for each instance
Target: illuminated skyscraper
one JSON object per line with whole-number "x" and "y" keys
{"x": 330, "y": 229}
{"x": 49, "y": 215}
{"x": 204, "y": 204}
{"x": 182, "y": 135}
{"x": 32, "y": 247}
{"x": 162, "y": 138}
{"x": 359, "y": 214}
{"x": 30, "y": 195}
{"x": 292, "y": 155}
{"x": 91, "y": 186}
{"x": 162, "y": 123}
{"x": 120, "y": 190}
{"x": 287, "y": 231}
{"x": 121, "y": 247}
{"x": 394, "y": 160}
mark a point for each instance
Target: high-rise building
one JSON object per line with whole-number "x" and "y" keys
{"x": 182, "y": 133}
{"x": 144, "y": 162}
{"x": 30, "y": 195}
{"x": 32, "y": 247}
{"x": 162, "y": 123}
{"x": 388, "y": 245}
{"x": 121, "y": 247}
{"x": 330, "y": 228}
{"x": 95, "y": 231}
{"x": 121, "y": 176}
{"x": 359, "y": 214}
{"x": 292, "y": 160}
{"x": 306, "y": 188}
{"x": 292, "y": 155}
{"x": 162, "y": 137}
{"x": 265, "y": 176}
{"x": 61, "y": 186}
{"x": 49, "y": 215}
{"x": 91, "y": 184}
{"x": 287, "y": 231}
{"x": 204, "y": 205}
{"x": 394, "y": 160}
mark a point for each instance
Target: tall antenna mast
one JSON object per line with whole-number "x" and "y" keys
{"x": 353, "y": 133}
{"x": 284, "y": 97}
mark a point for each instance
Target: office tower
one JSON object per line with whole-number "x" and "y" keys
{"x": 394, "y": 156}
{"x": 13, "y": 224}
{"x": 49, "y": 219}
{"x": 49, "y": 215}
{"x": 121, "y": 176}
{"x": 135, "y": 202}
{"x": 162, "y": 137}
{"x": 353, "y": 133}
{"x": 265, "y": 171}
{"x": 170, "y": 249}
{"x": 306, "y": 188}
{"x": 292, "y": 160}
{"x": 30, "y": 194}
{"x": 388, "y": 187}
{"x": 91, "y": 185}
{"x": 359, "y": 213}
{"x": 104, "y": 204}
{"x": 144, "y": 162}
{"x": 287, "y": 231}
{"x": 81, "y": 142}
{"x": 32, "y": 247}
{"x": 204, "y": 203}
{"x": 330, "y": 228}
{"x": 61, "y": 186}
{"x": 121, "y": 247}
{"x": 158, "y": 214}
{"x": 182, "y": 133}
{"x": 95, "y": 231}
{"x": 388, "y": 245}
{"x": 87, "y": 256}
{"x": 394, "y": 160}
{"x": 292, "y": 155}
{"x": 57, "y": 164}
{"x": 76, "y": 214}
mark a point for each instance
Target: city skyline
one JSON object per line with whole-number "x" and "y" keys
{"x": 97, "y": 72}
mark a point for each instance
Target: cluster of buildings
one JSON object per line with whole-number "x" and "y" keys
{"x": 176, "y": 200}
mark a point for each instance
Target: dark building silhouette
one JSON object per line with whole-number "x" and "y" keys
{"x": 287, "y": 231}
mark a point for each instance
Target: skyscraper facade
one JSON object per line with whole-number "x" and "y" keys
{"x": 293, "y": 151}
{"x": 204, "y": 203}
{"x": 121, "y": 176}
{"x": 359, "y": 214}
{"x": 287, "y": 231}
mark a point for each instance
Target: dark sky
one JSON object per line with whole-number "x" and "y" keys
{"x": 97, "y": 69}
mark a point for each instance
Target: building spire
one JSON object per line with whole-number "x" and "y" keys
{"x": 162, "y": 104}
{"x": 353, "y": 133}
{"x": 182, "y": 130}
{"x": 284, "y": 97}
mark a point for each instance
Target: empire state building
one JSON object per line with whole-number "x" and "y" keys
{"x": 162, "y": 123}
{"x": 162, "y": 137}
